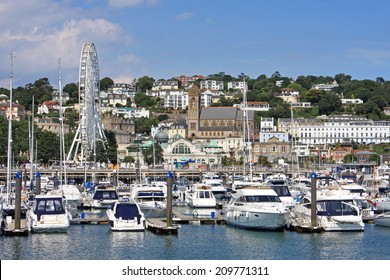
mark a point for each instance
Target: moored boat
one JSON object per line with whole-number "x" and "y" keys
{"x": 126, "y": 215}
{"x": 48, "y": 214}
{"x": 202, "y": 197}
{"x": 256, "y": 207}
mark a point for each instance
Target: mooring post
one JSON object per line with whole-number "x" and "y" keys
{"x": 169, "y": 198}
{"x": 313, "y": 177}
{"x": 38, "y": 184}
{"x": 18, "y": 199}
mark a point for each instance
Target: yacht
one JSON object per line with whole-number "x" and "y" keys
{"x": 336, "y": 210}
{"x": 256, "y": 207}
{"x": 281, "y": 187}
{"x": 151, "y": 199}
{"x": 103, "y": 196}
{"x": 216, "y": 186}
{"x": 48, "y": 214}
{"x": 202, "y": 197}
{"x": 126, "y": 215}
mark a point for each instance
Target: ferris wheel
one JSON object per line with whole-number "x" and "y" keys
{"x": 89, "y": 130}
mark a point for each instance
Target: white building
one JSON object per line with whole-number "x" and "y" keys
{"x": 165, "y": 85}
{"x": 211, "y": 85}
{"x": 266, "y": 136}
{"x": 237, "y": 86}
{"x": 333, "y": 129}
{"x": 131, "y": 113}
{"x": 123, "y": 88}
{"x": 289, "y": 95}
{"x": 351, "y": 101}
{"x": 176, "y": 99}
{"x": 325, "y": 87}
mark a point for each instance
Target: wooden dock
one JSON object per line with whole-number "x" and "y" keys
{"x": 10, "y": 230}
{"x": 89, "y": 220}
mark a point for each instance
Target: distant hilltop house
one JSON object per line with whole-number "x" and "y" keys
{"x": 125, "y": 89}
{"x": 56, "y": 97}
{"x": 48, "y": 107}
{"x": 49, "y": 125}
{"x": 211, "y": 85}
{"x": 325, "y": 87}
{"x": 237, "y": 86}
{"x": 259, "y": 106}
{"x": 386, "y": 110}
{"x": 18, "y": 111}
{"x": 351, "y": 101}
{"x": 186, "y": 81}
{"x": 289, "y": 95}
{"x": 131, "y": 113}
{"x": 165, "y": 85}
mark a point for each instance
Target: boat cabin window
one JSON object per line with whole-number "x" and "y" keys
{"x": 335, "y": 208}
{"x": 50, "y": 205}
{"x": 105, "y": 195}
{"x": 259, "y": 198}
{"x": 281, "y": 190}
{"x": 204, "y": 194}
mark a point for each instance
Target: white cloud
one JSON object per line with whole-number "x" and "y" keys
{"x": 184, "y": 16}
{"x": 42, "y": 31}
{"x": 130, "y": 3}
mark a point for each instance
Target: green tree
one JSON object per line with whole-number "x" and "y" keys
{"x": 329, "y": 103}
{"x": 350, "y": 158}
{"x": 106, "y": 83}
{"x": 144, "y": 83}
{"x": 147, "y": 154}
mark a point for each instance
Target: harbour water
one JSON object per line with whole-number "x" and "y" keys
{"x": 198, "y": 242}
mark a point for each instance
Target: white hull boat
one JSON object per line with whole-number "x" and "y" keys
{"x": 257, "y": 208}
{"x": 126, "y": 215}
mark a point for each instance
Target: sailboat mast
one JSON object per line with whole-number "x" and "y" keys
{"x": 32, "y": 145}
{"x": 9, "y": 150}
{"x": 62, "y": 146}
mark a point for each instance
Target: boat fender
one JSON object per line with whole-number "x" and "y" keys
{"x": 195, "y": 214}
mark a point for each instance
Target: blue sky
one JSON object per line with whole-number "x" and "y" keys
{"x": 167, "y": 38}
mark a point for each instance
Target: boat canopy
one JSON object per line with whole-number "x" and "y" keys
{"x": 127, "y": 211}
{"x": 105, "y": 194}
{"x": 335, "y": 208}
{"x": 49, "y": 206}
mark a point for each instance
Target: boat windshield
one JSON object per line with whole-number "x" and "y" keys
{"x": 106, "y": 194}
{"x": 281, "y": 190}
{"x": 335, "y": 208}
{"x": 49, "y": 206}
{"x": 259, "y": 198}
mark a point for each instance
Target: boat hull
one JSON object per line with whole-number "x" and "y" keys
{"x": 383, "y": 220}
{"x": 256, "y": 220}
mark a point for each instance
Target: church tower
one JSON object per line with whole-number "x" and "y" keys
{"x": 193, "y": 111}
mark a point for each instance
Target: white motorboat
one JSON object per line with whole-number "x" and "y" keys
{"x": 202, "y": 197}
{"x": 126, "y": 215}
{"x": 383, "y": 219}
{"x": 217, "y": 187}
{"x": 256, "y": 207}
{"x": 103, "y": 197}
{"x": 48, "y": 214}
{"x": 336, "y": 210}
{"x": 151, "y": 199}
{"x": 281, "y": 186}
